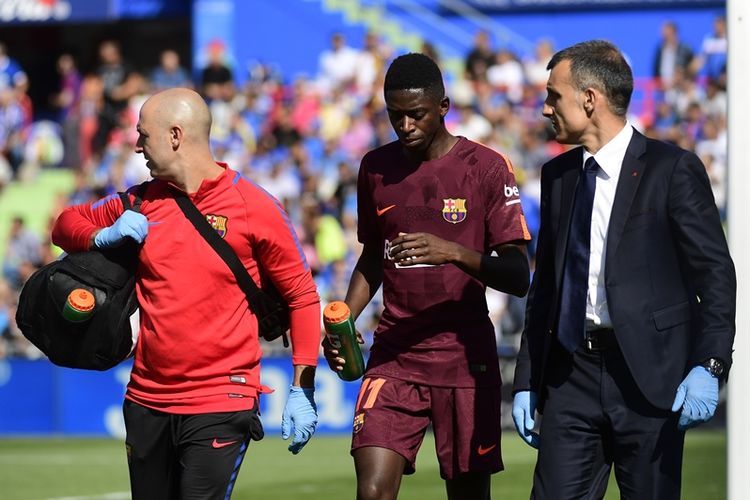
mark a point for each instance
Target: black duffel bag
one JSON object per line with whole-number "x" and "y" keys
{"x": 108, "y": 335}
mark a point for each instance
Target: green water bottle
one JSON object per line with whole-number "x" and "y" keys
{"x": 339, "y": 325}
{"x": 79, "y": 305}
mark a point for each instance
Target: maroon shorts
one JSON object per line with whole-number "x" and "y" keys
{"x": 395, "y": 414}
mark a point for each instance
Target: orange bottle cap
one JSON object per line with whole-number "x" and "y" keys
{"x": 81, "y": 300}
{"x": 336, "y": 312}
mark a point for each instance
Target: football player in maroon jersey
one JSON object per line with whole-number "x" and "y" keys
{"x": 440, "y": 219}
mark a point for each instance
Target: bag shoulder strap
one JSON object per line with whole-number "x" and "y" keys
{"x": 221, "y": 247}
{"x": 138, "y": 192}
{"x": 256, "y": 297}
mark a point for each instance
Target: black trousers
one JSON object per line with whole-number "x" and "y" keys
{"x": 186, "y": 456}
{"x": 596, "y": 417}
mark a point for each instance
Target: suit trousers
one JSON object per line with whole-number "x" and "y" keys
{"x": 596, "y": 417}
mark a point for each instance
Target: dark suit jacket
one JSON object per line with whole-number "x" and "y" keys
{"x": 669, "y": 279}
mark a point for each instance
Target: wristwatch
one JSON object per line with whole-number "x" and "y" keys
{"x": 715, "y": 367}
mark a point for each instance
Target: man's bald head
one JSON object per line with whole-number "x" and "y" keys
{"x": 184, "y": 108}
{"x": 173, "y": 137}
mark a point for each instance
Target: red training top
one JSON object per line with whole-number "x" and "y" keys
{"x": 435, "y": 328}
{"x": 198, "y": 349}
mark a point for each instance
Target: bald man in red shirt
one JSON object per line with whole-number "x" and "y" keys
{"x": 191, "y": 405}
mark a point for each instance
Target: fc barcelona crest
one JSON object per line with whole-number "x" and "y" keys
{"x": 359, "y": 421}
{"x": 454, "y": 209}
{"x": 218, "y": 222}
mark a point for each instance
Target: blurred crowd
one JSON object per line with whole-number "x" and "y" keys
{"x": 302, "y": 138}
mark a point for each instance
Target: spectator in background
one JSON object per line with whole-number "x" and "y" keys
{"x": 369, "y": 66}
{"x": 480, "y": 57}
{"x": 336, "y": 113}
{"x": 69, "y": 90}
{"x": 11, "y": 73}
{"x": 665, "y": 122}
{"x": 684, "y": 91}
{"x": 281, "y": 181}
{"x": 492, "y": 103}
{"x": 428, "y": 48}
{"x": 120, "y": 83}
{"x": 535, "y": 69}
{"x": 87, "y": 115}
{"x": 345, "y": 193}
{"x": 672, "y": 55}
{"x": 337, "y": 66}
{"x": 217, "y": 79}
{"x": 323, "y": 231}
{"x": 692, "y": 125}
{"x": 506, "y": 75}
{"x": 83, "y": 191}
{"x": 360, "y": 135}
{"x": 14, "y": 78}
{"x": 712, "y": 60}
{"x": 305, "y": 106}
{"x": 67, "y": 100}
{"x": 7, "y": 313}
{"x": 284, "y": 131}
{"x": 23, "y": 251}
{"x": 11, "y": 130}
{"x": 715, "y": 103}
{"x": 711, "y": 148}
{"x": 12, "y": 341}
{"x": 169, "y": 73}
{"x": 471, "y": 125}
{"x": 6, "y": 173}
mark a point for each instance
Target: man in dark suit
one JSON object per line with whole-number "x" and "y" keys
{"x": 630, "y": 316}
{"x": 672, "y": 56}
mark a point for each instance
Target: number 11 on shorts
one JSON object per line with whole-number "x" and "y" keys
{"x": 371, "y": 387}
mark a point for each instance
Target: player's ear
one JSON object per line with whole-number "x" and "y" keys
{"x": 445, "y": 105}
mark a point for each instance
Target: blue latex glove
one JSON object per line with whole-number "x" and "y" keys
{"x": 698, "y": 396}
{"x": 524, "y": 406}
{"x": 130, "y": 223}
{"x": 300, "y": 417}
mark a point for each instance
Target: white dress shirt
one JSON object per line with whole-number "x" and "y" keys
{"x": 609, "y": 158}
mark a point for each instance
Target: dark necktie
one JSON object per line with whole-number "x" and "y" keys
{"x": 571, "y": 324}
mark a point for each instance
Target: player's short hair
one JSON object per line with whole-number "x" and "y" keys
{"x": 599, "y": 64}
{"x": 415, "y": 71}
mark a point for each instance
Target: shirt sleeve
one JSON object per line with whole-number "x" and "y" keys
{"x": 367, "y": 228}
{"x": 505, "y": 220}
{"x": 282, "y": 260}
{"x": 305, "y": 345}
{"x": 73, "y": 228}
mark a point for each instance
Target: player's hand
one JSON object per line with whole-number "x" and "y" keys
{"x": 129, "y": 224}
{"x": 524, "y": 406}
{"x": 698, "y": 396}
{"x": 331, "y": 353}
{"x": 410, "y": 249}
{"x": 300, "y": 417}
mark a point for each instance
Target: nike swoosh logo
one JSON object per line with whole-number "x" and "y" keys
{"x": 217, "y": 444}
{"x": 483, "y": 451}
{"x": 381, "y": 211}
